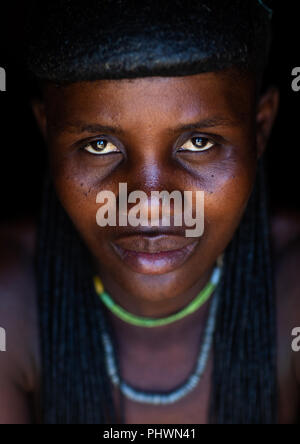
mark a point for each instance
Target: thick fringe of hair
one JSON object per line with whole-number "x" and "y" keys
{"x": 75, "y": 384}
{"x": 67, "y": 41}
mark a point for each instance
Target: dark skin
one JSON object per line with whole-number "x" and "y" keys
{"x": 147, "y": 126}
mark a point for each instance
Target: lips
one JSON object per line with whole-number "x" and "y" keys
{"x": 153, "y": 244}
{"x": 156, "y": 254}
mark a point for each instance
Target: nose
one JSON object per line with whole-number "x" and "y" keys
{"x": 159, "y": 207}
{"x": 154, "y": 181}
{"x": 151, "y": 167}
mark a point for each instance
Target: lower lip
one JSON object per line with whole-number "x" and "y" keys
{"x": 155, "y": 263}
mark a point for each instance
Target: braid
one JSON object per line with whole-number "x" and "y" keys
{"x": 75, "y": 384}
{"x": 244, "y": 375}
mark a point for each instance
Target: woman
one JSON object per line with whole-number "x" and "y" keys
{"x": 161, "y": 97}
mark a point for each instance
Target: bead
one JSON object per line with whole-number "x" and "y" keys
{"x": 175, "y": 395}
{"x": 130, "y": 318}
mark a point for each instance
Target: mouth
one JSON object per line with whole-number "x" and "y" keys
{"x": 154, "y": 254}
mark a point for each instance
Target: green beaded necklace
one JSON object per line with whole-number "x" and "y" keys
{"x": 141, "y": 321}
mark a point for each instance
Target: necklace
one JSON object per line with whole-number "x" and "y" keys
{"x": 173, "y": 395}
{"x": 193, "y": 380}
{"x": 141, "y": 321}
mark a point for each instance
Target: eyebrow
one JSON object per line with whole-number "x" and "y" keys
{"x": 81, "y": 127}
{"x": 211, "y": 122}
{"x": 217, "y": 121}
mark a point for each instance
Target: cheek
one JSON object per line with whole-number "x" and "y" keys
{"x": 77, "y": 180}
{"x": 76, "y": 194}
{"x": 227, "y": 198}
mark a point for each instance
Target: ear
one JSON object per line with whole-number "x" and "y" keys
{"x": 38, "y": 109}
{"x": 266, "y": 114}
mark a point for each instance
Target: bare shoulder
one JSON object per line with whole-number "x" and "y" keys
{"x": 19, "y": 361}
{"x": 286, "y": 235}
{"x": 287, "y": 278}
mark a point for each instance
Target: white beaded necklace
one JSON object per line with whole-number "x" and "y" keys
{"x": 173, "y": 395}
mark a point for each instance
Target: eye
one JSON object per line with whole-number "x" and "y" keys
{"x": 101, "y": 146}
{"x": 197, "y": 144}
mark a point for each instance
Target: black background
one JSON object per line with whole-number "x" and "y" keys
{"x": 22, "y": 152}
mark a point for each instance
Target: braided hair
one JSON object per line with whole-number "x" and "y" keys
{"x": 244, "y": 375}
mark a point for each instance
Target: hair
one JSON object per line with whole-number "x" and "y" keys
{"x": 68, "y": 41}
{"x": 75, "y": 41}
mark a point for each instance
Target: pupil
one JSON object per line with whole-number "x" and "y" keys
{"x": 199, "y": 142}
{"x": 101, "y": 144}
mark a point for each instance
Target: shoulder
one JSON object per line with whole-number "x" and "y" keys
{"x": 285, "y": 229}
{"x": 286, "y": 246}
{"x": 287, "y": 281}
{"x": 18, "y": 312}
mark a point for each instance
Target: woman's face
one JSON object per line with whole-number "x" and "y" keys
{"x": 195, "y": 133}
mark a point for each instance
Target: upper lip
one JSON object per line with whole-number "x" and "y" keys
{"x": 153, "y": 244}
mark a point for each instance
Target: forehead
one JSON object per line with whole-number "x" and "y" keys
{"x": 156, "y": 99}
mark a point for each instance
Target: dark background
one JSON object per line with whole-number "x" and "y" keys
{"x": 22, "y": 152}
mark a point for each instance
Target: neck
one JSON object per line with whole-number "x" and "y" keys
{"x": 181, "y": 332}
{"x": 178, "y": 332}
